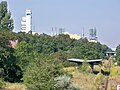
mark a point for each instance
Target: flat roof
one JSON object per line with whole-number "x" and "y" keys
{"x": 112, "y": 52}
{"x": 81, "y": 60}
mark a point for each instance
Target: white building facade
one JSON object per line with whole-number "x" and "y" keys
{"x": 26, "y": 22}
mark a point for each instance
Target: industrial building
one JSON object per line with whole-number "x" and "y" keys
{"x": 26, "y": 22}
{"x": 73, "y": 36}
{"x": 93, "y": 35}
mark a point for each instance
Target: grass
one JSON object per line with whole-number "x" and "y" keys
{"x": 87, "y": 81}
{"x": 83, "y": 81}
{"x": 114, "y": 80}
{"x": 15, "y": 86}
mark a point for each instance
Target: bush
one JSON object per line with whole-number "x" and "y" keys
{"x": 64, "y": 83}
{"x": 68, "y": 64}
{"x": 113, "y": 71}
{"x": 85, "y": 68}
{"x": 2, "y": 83}
{"x": 99, "y": 80}
{"x": 38, "y": 78}
{"x": 40, "y": 73}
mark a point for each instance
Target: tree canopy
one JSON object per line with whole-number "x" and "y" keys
{"x": 6, "y": 22}
{"x": 118, "y": 55}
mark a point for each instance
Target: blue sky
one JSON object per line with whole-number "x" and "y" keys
{"x": 73, "y": 15}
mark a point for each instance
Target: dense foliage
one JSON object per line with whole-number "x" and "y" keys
{"x": 62, "y": 46}
{"x": 10, "y": 71}
{"x": 41, "y": 72}
{"x": 6, "y": 22}
{"x": 118, "y": 55}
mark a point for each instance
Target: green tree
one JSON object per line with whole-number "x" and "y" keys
{"x": 118, "y": 55}
{"x": 24, "y": 53}
{"x": 41, "y": 72}
{"x": 10, "y": 71}
{"x": 6, "y": 22}
{"x": 88, "y": 50}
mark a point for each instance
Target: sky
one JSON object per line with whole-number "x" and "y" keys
{"x": 73, "y": 15}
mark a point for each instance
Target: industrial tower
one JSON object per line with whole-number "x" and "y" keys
{"x": 26, "y": 22}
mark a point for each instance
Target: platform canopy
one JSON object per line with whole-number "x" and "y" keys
{"x": 81, "y": 60}
{"x": 112, "y": 52}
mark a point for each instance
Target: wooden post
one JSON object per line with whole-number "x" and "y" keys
{"x": 105, "y": 84}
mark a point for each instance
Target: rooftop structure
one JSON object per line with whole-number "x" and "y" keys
{"x": 73, "y": 36}
{"x": 57, "y": 31}
{"x": 92, "y": 35}
{"x": 35, "y": 33}
{"x": 13, "y": 43}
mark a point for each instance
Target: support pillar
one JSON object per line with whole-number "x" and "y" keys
{"x": 92, "y": 66}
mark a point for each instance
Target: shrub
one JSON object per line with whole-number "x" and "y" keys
{"x": 40, "y": 73}
{"x": 2, "y": 83}
{"x": 85, "y": 67}
{"x": 64, "y": 83}
{"x": 113, "y": 71}
{"x": 99, "y": 80}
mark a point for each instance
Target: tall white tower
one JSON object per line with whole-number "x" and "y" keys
{"x": 26, "y": 23}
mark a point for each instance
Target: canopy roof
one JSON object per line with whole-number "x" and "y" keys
{"x": 81, "y": 60}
